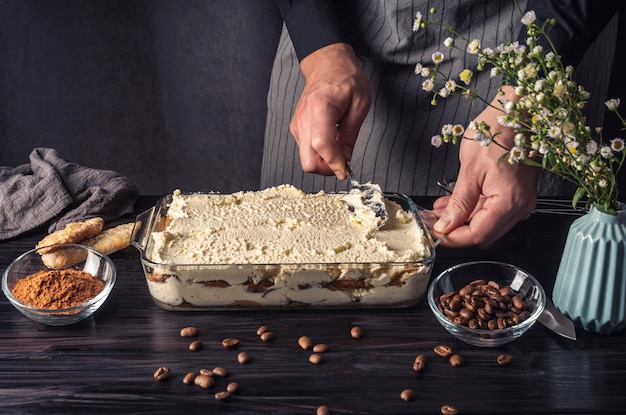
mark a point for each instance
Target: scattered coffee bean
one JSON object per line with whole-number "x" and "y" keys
{"x": 232, "y": 387}
{"x": 221, "y": 395}
{"x": 230, "y": 342}
{"x": 261, "y": 330}
{"x": 419, "y": 363}
{"x": 407, "y": 395}
{"x": 220, "y": 372}
{"x": 504, "y": 359}
{"x": 323, "y": 410}
{"x": 456, "y": 360}
{"x": 189, "y": 332}
{"x": 196, "y": 345}
{"x": 243, "y": 358}
{"x": 268, "y": 336}
{"x": 484, "y": 305}
{"x": 204, "y": 381}
{"x": 356, "y": 332}
{"x": 305, "y": 342}
{"x": 189, "y": 378}
{"x": 162, "y": 373}
{"x": 315, "y": 358}
{"x": 443, "y": 351}
{"x": 449, "y": 410}
{"x": 320, "y": 348}
{"x": 206, "y": 372}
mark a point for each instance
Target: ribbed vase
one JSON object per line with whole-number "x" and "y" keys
{"x": 590, "y": 286}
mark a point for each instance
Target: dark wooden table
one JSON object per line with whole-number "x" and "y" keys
{"x": 105, "y": 364}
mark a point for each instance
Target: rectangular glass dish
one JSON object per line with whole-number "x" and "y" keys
{"x": 197, "y": 287}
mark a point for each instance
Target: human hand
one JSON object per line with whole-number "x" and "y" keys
{"x": 488, "y": 198}
{"x": 333, "y": 105}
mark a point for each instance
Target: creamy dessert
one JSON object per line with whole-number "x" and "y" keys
{"x": 281, "y": 246}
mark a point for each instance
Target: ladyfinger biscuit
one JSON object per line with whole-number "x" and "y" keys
{"x": 72, "y": 233}
{"x": 107, "y": 242}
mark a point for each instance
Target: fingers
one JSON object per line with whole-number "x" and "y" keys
{"x": 458, "y": 206}
{"x": 329, "y": 114}
{"x": 486, "y": 226}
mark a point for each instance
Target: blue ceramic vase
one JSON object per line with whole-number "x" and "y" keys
{"x": 590, "y": 286}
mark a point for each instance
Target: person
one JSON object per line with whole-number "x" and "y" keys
{"x": 343, "y": 84}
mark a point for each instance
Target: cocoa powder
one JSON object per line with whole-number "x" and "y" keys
{"x": 57, "y": 289}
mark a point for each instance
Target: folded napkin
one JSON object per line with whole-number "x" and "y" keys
{"x": 54, "y": 190}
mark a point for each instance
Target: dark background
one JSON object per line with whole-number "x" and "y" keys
{"x": 171, "y": 94}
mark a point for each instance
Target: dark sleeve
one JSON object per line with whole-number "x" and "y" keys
{"x": 578, "y": 23}
{"x": 312, "y": 24}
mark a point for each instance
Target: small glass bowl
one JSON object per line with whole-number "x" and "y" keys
{"x": 87, "y": 259}
{"x": 457, "y": 277}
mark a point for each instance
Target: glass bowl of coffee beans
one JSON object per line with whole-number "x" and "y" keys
{"x": 59, "y": 285}
{"x": 486, "y": 303}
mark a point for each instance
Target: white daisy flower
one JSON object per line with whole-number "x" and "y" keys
{"x": 529, "y": 18}
{"x": 436, "y": 141}
{"x": 437, "y": 57}
{"x": 617, "y": 145}
{"x": 612, "y": 104}
{"x": 417, "y": 22}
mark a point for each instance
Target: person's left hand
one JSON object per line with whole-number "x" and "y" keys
{"x": 488, "y": 198}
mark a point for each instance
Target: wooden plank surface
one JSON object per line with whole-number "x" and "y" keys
{"x": 105, "y": 364}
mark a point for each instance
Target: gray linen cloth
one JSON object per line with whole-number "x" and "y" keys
{"x": 54, "y": 190}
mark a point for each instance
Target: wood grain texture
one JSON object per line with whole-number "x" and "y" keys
{"x": 105, "y": 364}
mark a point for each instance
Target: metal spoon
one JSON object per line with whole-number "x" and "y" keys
{"x": 372, "y": 196}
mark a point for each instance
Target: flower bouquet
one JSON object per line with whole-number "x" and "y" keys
{"x": 546, "y": 112}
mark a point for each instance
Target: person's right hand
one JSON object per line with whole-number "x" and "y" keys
{"x": 336, "y": 98}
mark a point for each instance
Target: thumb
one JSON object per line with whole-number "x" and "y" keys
{"x": 456, "y": 213}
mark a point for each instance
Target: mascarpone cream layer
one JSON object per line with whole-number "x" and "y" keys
{"x": 283, "y": 225}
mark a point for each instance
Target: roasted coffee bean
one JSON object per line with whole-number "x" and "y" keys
{"x": 315, "y": 358}
{"x": 206, "y": 372}
{"x": 220, "y": 372}
{"x": 322, "y": 410}
{"x": 230, "y": 342}
{"x": 455, "y": 304}
{"x": 502, "y": 324}
{"x": 268, "y": 336}
{"x": 221, "y": 395}
{"x": 466, "y": 313}
{"x": 356, "y": 332}
{"x": 305, "y": 342}
{"x": 232, "y": 387}
{"x": 204, "y": 381}
{"x": 419, "y": 363}
{"x": 460, "y": 320}
{"x": 243, "y": 358}
{"x": 262, "y": 330}
{"x": 518, "y": 302}
{"x": 162, "y": 373}
{"x": 189, "y": 332}
{"x": 196, "y": 345}
{"x": 189, "y": 377}
{"x": 320, "y": 348}
{"x": 443, "y": 350}
{"x": 451, "y": 314}
{"x": 484, "y": 305}
{"x": 504, "y": 359}
{"x": 456, "y": 360}
{"x": 407, "y": 395}
{"x": 449, "y": 410}
{"x": 506, "y": 291}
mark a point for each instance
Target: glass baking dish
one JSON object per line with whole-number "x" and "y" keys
{"x": 197, "y": 287}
